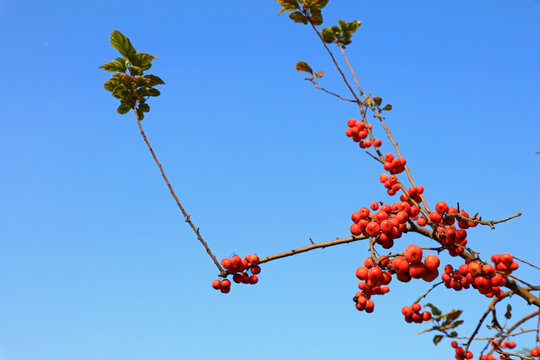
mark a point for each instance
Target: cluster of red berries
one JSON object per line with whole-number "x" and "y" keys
{"x": 412, "y": 314}
{"x": 390, "y": 183}
{"x": 454, "y": 239}
{"x": 374, "y": 281}
{"x": 386, "y": 224}
{"x": 359, "y": 132}
{"x": 460, "y": 352}
{"x": 504, "y": 263}
{"x": 238, "y": 267}
{"x": 482, "y": 277}
{"x": 394, "y": 165}
{"x": 536, "y": 351}
{"x": 410, "y": 266}
{"x": 496, "y": 346}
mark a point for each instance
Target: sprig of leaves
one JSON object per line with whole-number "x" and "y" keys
{"x": 135, "y": 88}
{"x": 304, "y": 11}
{"x": 341, "y": 33}
{"x": 444, "y": 322}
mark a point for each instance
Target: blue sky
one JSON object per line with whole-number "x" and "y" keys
{"x": 97, "y": 262}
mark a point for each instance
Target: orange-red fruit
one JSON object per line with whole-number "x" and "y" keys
{"x": 362, "y": 273}
{"x": 432, "y": 262}
{"x": 226, "y": 263}
{"x": 441, "y": 207}
{"x": 422, "y": 221}
{"x": 426, "y": 315}
{"x": 406, "y": 311}
{"x": 256, "y": 270}
{"x": 416, "y": 307}
{"x": 216, "y": 284}
{"x": 417, "y": 270}
{"x": 413, "y": 254}
{"x": 435, "y": 217}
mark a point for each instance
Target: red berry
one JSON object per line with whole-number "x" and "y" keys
{"x": 374, "y": 206}
{"x": 216, "y": 284}
{"x": 432, "y": 262}
{"x": 416, "y": 307}
{"x": 256, "y": 270}
{"x": 377, "y": 143}
{"x": 413, "y": 254}
{"x": 226, "y": 263}
{"x": 441, "y": 207}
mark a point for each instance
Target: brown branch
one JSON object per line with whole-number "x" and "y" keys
{"x": 490, "y": 308}
{"x": 186, "y": 216}
{"x": 490, "y": 223}
{"x": 312, "y": 247}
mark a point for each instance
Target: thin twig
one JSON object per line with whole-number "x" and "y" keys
{"x": 490, "y": 308}
{"x": 331, "y": 93}
{"x": 427, "y": 292}
{"x": 378, "y": 115}
{"x": 489, "y": 223}
{"x": 186, "y": 216}
{"x": 528, "y": 263}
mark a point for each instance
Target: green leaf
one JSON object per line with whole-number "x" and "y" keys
{"x": 303, "y": 66}
{"x": 318, "y": 4}
{"x": 144, "y": 107}
{"x": 434, "y": 310}
{"x": 387, "y": 107}
{"x": 328, "y": 35}
{"x": 451, "y": 316}
{"x": 453, "y": 334}
{"x": 135, "y": 70}
{"x": 121, "y": 43}
{"x": 455, "y": 324}
{"x": 353, "y": 26}
{"x": 288, "y": 5}
{"x": 508, "y": 313}
{"x": 316, "y": 17}
{"x": 437, "y": 339}
{"x": 298, "y": 17}
{"x": 110, "y": 84}
{"x": 123, "y": 109}
{"x": 143, "y": 60}
{"x": 154, "y": 80}
{"x": 113, "y": 66}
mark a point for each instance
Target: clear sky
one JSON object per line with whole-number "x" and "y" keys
{"x": 96, "y": 261}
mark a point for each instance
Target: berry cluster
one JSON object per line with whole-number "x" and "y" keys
{"x": 480, "y": 276}
{"x": 504, "y": 263}
{"x": 460, "y": 352}
{"x": 536, "y": 351}
{"x": 391, "y": 183}
{"x": 412, "y": 314}
{"x": 238, "y": 267}
{"x": 387, "y": 224}
{"x": 374, "y": 279}
{"x": 359, "y": 132}
{"x": 410, "y": 266}
{"x": 394, "y": 165}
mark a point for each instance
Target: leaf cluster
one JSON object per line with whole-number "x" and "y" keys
{"x": 135, "y": 88}
{"x": 341, "y": 33}
{"x": 375, "y": 102}
{"x": 304, "y": 11}
{"x": 444, "y": 322}
{"x": 303, "y": 66}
